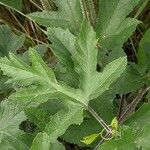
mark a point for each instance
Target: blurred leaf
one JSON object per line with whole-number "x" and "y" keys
{"x": 17, "y": 4}
{"x": 9, "y": 42}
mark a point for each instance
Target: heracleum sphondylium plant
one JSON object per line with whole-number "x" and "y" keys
{"x": 74, "y": 85}
{"x": 38, "y": 83}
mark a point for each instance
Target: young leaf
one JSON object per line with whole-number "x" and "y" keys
{"x": 89, "y": 139}
{"x": 69, "y": 15}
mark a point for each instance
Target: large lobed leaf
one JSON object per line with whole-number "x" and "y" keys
{"x": 37, "y": 82}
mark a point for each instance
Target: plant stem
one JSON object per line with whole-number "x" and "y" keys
{"x": 89, "y": 10}
{"x": 35, "y": 4}
{"x": 141, "y": 9}
{"x": 133, "y": 104}
{"x": 128, "y": 111}
{"x": 122, "y": 105}
{"x": 100, "y": 120}
{"x": 7, "y": 6}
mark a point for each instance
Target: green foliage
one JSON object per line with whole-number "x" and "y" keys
{"x": 72, "y": 98}
{"x": 113, "y": 27}
{"x": 41, "y": 141}
{"x": 124, "y": 142}
{"x": 17, "y": 4}
{"x": 11, "y": 115}
{"x": 69, "y": 15}
{"x": 44, "y": 83}
{"x": 143, "y": 52}
{"x": 9, "y": 42}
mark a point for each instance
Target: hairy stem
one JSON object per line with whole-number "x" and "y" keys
{"x": 99, "y": 119}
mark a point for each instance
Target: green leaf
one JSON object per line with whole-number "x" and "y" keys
{"x": 44, "y": 86}
{"x": 62, "y": 45}
{"x": 36, "y": 83}
{"x": 41, "y": 142}
{"x": 17, "y": 4}
{"x": 143, "y": 54}
{"x": 60, "y": 121}
{"x": 9, "y": 42}
{"x": 89, "y": 139}
{"x": 111, "y": 72}
{"x": 140, "y": 117}
{"x": 57, "y": 145}
{"x": 4, "y": 87}
{"x": 112, "y": 16}
{"x": 38, "y": 116}
{"x": 113, "y": 27}
{"x": 11, "y": 115}
{"x": 142, "y": 139}
{"x": 69, "y": 15}
{"x": 125, "y": 142}
{"x": 103, "y": 106}
{"x": 92, "y": 82}
{"x": 39, "y": 74}
{"x": 140, "y": 122}
{"x": 85, "y": 57}
{"x": 131, "y": 80}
